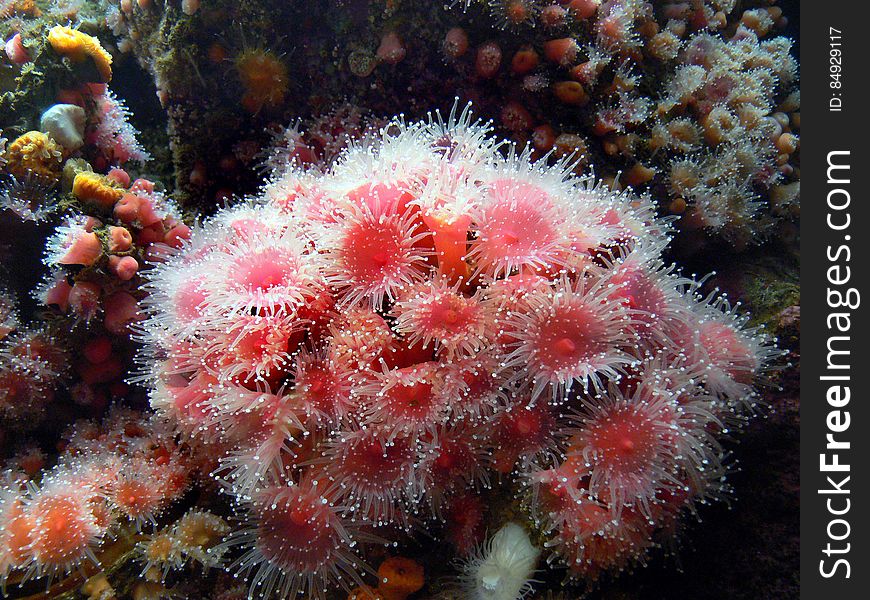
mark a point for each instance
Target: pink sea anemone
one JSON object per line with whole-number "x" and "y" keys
{"x": 371, "y": 341}
{"x": 114, "y": 134}
{"x": 627, "y": 450}
{"x": 373, "y": 475}
{"x": 298, "y": 543}
{"x": 436, "y": 313}
{"x": 374, "y": 253}
{"x": 574, "y": 333}
{"x": 520, "y": 225}
{"x": 410, "y": 399}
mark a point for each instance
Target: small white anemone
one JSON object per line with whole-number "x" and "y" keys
{"x": 502, "y": 568}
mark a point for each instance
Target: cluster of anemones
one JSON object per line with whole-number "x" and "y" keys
{"x": 719, "y": 132}
{"x": 95, "y": 256}
{"x": 109, "y": 479}
{"x": 363, "y": 346}
{"x": 33, "y": 363}
{"x": 189, "y": 539}
{"x": 317, "y": 141}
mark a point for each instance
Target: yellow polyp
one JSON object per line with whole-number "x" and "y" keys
{"x": 365, "y": 593}
{"x": 34, "y": 152}
{"x": 160, "y": 549}
{"x": 98, "y": 588}
{"x": 149, "y": 590}
{"x": 23, "y": 8}
{"x": 200, "y": 530}
{"x": 79, "y": 47}
{"x": 264, "y": 78}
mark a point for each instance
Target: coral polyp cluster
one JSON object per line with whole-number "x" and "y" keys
{"x": 33, "y": 152}
{"x": 32, "y": 365}
{"x": 696, "y": 100}
{"x": 362, "y": 345}
{"x": 108, "y": 482}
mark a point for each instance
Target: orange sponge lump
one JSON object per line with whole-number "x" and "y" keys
{"x": 92, "y": 187}
{"x": 78, "y": 47}
{"x": 399, "y": 578}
